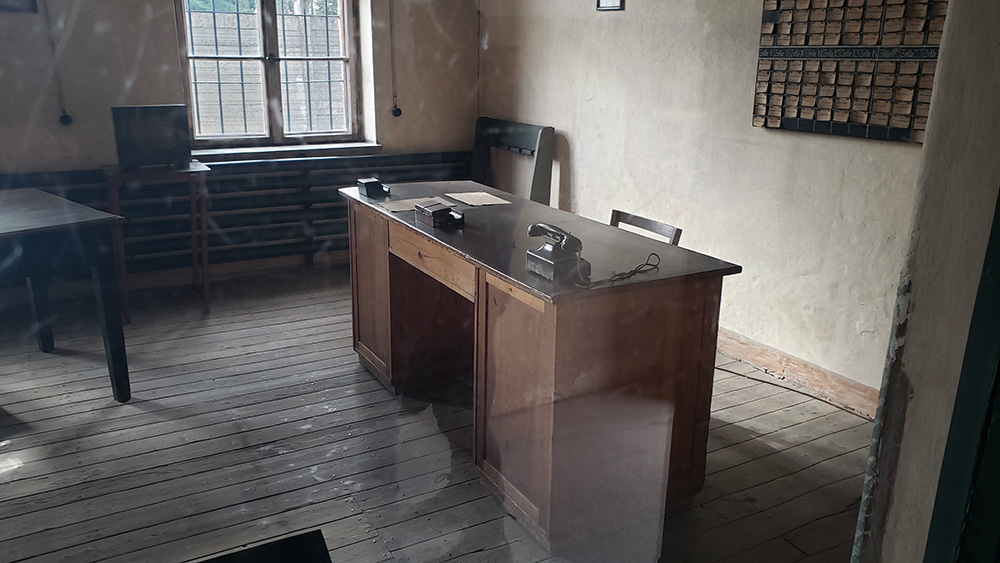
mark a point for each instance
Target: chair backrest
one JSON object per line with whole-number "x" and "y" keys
{"x": 532, "y": 140}
{"x": 667, "y": 231}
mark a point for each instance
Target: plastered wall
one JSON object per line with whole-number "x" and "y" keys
{"x": 652, "y": 107}
{"x": 97, "y": 53}
{"x": 436, "y": 68}
{"x": 101, "y": 53}
{"x": 958, "y": 194}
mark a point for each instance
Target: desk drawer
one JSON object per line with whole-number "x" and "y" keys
{"x": 434, "y": 260}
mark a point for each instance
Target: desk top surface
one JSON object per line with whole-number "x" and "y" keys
{"x": 29, "y": 211}
{"x": 495, "y": 236}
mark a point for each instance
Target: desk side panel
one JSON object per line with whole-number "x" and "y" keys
{"x": 629, "y": 385}
{"x": 514, "y": 403}
{"x": 369, "y": 244}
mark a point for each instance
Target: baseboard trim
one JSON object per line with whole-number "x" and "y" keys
{"x": 802, "y": 375}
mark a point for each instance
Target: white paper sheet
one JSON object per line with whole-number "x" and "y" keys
{"x": 478, "y": 198}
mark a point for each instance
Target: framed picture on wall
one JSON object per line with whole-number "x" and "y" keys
{"x": 18, "y": 6}
{"x": 608, "y": 5}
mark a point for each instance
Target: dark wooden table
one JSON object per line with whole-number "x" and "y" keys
{"x": 591, "y": 403}
{"x": 40, "y": 226}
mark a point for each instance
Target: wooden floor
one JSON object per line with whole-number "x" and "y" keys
{"x": 258, "y": 422}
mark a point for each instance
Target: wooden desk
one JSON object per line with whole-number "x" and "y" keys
{"x": 194, "y": 175}
{"x": 591, "y": 404}
{"x": 39, "y": 225}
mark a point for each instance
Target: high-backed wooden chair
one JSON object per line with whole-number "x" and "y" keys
{"x": 533, "y": 140}
{"x": 670, "y": 232}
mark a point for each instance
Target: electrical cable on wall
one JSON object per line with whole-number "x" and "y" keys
{"x": 64, "y": 117}
{"x": 396, "y": 112}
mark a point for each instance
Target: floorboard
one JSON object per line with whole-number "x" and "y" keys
{"x": 257, "y": 422}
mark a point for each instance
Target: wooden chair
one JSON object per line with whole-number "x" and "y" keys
{"x": 532, "y": 140}
{"x": 670, "y": 232}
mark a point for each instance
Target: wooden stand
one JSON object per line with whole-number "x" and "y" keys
{"x": 194, "y": 175}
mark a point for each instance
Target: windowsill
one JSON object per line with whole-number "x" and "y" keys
{"x": 231, "y": 154}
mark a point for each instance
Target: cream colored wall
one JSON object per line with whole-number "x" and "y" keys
{"x": 958, "y": 194}
{"x": 108, "y": 53}
{"x": 436, "y": 66}
{"x": 111, "y": 52}
{"x": 653, "y": 109}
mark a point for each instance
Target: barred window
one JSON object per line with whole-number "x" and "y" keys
{"x": 270, "y": 70}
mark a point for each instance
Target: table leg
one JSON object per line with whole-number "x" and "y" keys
{"x": 105, "y": 279}
{"x": 198, "y": 193}
{"x": 118, "y": 243}
{"x": 195, "y": 244}
{"x": 203, "y": 214}
{"x": 38, "y": 290}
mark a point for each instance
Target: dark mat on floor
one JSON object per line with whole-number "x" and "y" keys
{"x": 303, "y": 548}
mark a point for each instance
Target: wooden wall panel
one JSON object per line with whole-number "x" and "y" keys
{"x": 257, "y": 209}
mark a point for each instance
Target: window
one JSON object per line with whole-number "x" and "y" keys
{"x": 269, "y": 71}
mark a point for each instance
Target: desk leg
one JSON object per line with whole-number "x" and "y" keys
{"x": 102, "y": 271}
{"x": 38, "y": 290}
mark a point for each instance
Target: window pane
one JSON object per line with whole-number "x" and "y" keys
{"x": 223, "y": 27}
{"x": 315, "y": 96}
{"x": 309, "y": 28}
{"x": 228, "y": 97}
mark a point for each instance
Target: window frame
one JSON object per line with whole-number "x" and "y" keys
{"x": 275, "y": 135}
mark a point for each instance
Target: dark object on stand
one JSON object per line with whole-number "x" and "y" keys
{"x": 439, "y": 215}
{"x": 148, "y": 136}
{"x": 559, "y": 257}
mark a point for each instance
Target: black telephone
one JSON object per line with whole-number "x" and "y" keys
{"x": 372, "y": 187}
{"x": 559, "y": 258}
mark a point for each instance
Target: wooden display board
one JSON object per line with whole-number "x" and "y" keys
{"x": 862, "y": 68}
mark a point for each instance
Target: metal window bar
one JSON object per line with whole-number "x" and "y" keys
{"x": 284, "y": 65}
{"x": 305, "y": 39}
{"x": 194, "y": 67}
{"x": 329, "y": 81}
{"x": 329, "y": 69}
{"x": 218, "y": 69}
{"x": 243, "y": 84}
{"x": 253, "y": 58}
{"x": 218, "y": 89}
{"x": 215, "y": 28}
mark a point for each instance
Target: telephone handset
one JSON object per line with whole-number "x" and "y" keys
{"x": 559, "y": 257}
{"x": 555, "y": 235}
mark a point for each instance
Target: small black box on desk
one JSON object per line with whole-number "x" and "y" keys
{"x": 438, "y": 215}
